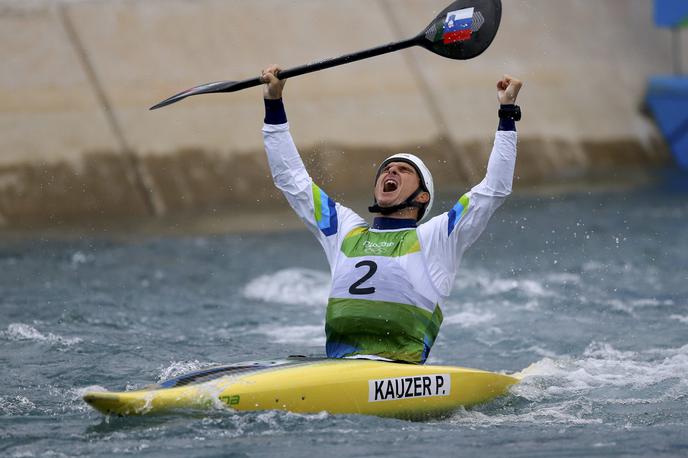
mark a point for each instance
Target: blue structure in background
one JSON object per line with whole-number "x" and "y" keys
{"x": 667, "y": 96}
{"x": 671, "y": 13}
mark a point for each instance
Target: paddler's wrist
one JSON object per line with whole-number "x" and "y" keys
{"x": 274, "y": 111}
{"x": 508, "y": 113}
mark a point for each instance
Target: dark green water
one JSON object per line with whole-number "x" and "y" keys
{"x": 588, "y": 292}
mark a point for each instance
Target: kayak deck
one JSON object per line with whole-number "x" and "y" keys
{"x": 305, "y": 385}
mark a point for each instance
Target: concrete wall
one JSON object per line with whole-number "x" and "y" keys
{"x": 78, "y": 143}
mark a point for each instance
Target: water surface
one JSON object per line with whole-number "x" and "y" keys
{"x": 587, "y": 294}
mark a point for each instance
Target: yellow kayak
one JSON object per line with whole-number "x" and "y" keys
{"x": 310, "y": 385}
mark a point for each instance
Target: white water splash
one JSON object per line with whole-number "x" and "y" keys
{"x": 177, "y": 368}
{"x": 491, "y": 285}
{"x": 572, "y": 412}
{"x": 72, "y": 398}
{"x": 265, "y": 423}
{"x": 291, "y": 286}
{"x": 538, "y": 350}
{"x": 679, "y": 318}
{"x": 567, "y": 390}
{"x": 80, "y": 392}
{"x": 469, "y": 318}
{"x": 312, "y": 335}
{"x": 603, "y": 367}
{"x": 78, "y": 258}
{"x": 21, "y": 331}
{"x": 631, "y": 306}
{"x": 15, "y": 405}
{"x": 563, "y": 278}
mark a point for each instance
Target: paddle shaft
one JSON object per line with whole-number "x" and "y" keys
{"x": 328, "y": 63}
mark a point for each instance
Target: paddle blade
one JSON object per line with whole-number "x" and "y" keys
{"x": 219, "y": 86}
{"x": 464, "y": 29}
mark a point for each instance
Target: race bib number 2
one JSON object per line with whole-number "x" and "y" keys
{"x": 418, "y": 386}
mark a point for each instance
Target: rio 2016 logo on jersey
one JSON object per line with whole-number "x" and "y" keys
{"x": 418, "y": 386}
{"x": 377, "y": 247}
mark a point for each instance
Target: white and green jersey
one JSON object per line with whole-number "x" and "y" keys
{"x": 389, "y": 280}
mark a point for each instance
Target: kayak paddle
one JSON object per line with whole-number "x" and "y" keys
{"x": 462, "y": 30}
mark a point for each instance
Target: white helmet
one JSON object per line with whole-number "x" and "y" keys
{"x": 424, "y": 175}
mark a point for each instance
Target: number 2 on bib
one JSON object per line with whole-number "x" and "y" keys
{"x": 372, "y": 268}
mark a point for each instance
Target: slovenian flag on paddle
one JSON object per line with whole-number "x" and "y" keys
{"x": 457, "y": 26}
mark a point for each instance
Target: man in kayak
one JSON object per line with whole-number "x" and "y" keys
{"x": 389, "y": 279}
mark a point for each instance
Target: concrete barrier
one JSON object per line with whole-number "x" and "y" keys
{"x": 77, "y": 142}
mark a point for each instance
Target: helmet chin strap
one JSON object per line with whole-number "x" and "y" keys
{"x": 408, "y": 203}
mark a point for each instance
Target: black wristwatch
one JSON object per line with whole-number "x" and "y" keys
{"x": 510, "y": 112}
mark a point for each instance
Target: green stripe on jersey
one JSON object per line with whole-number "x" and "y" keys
{"x": 317, "y": 202}
{"x": 387, "y": 329}
{"x": 464, "y": 200}
{"x": 363, "y": 242}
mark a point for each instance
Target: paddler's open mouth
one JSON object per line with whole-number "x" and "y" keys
{"x": 389, "y": 186}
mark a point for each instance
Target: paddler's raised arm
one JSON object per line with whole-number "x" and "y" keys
{"x": 453, "y": 232}
{"x": 321, "y": 214}
{"x": 288, "y": 172}
{"x": 500, "y": 167}
{"x": 470, "y": 215}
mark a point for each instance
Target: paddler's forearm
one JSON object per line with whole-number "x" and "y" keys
{"x": 502, "y": 162}
{"x": 500, "y": 167}
{"x": 288, "y": 170}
